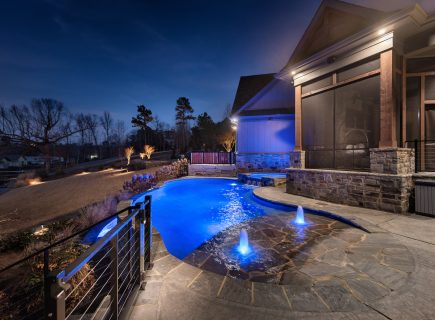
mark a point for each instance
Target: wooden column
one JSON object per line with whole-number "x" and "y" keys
{"x": 298, "y": 118}
{"x": 422, "y": 123}
{"x": 388, "y": 136}
{"x": 404, "y": 101}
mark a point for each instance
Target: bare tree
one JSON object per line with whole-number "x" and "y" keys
{"x": 40, "y": 126}
{"x": 91, "y": 121}
{"x": 227, "y": 140}
{"x": 120, "y": 131}
{"x": 128, "y": 152}
{"x": 106, "y": 122}
{"x": 227, "y": 111}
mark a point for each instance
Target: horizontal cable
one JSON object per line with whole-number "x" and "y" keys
{"x": 90, "y": 271}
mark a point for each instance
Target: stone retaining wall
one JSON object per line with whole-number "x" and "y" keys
{"x": 262, "y": 162}
{"x": 220, "y": 170}
{"x": 370, "y": 190}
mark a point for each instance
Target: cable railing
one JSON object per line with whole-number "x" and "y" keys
{"x": 100, "y": 282}
{"x": 350, "y": 157}
{"x": 201, "y": 157}
{"x": 424, "y": 154}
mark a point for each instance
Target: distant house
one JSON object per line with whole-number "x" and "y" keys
{"x": 14, "y": 161}
{"x": 263, "y": 111}
{"x": 364, "y": 97}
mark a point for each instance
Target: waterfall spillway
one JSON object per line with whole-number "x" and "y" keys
{"x": 243, "y": 247}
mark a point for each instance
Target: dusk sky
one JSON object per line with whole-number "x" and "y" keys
{"x": 114, "y": 55}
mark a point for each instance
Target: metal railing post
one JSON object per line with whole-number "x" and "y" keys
{"x": 416, "y": 155}
{"x": 148, "y": 232}
{"x": 114, "y": 274}
{"x": 55, "y": 300}
{"x": 140, "y": 225}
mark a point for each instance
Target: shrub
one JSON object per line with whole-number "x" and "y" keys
{"x": 175, "y": 170}
{"x": 26, "y": 179}
{"x": 96, "y": 212}
{"x": 139, "y": 183}
{"x": 16, "y": 242}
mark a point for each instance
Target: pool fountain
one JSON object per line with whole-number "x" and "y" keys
{"x": 243, "y": 247}
{"x": 300, "y": 216}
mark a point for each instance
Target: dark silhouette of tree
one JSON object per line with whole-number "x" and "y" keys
{"x": 42, "y": 125}
{"x": 144, "y": 116}
{"x": 183, "y": 114}
{"x": 204, "y": 133}
{"x": 106, "y": 122}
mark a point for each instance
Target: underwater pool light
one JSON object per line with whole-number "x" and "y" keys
{"x": 108, "y": 227}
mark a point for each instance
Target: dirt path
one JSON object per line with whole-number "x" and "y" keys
{"x": 33, "y": 205}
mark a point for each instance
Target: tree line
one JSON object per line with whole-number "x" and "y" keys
{"x": 47, "y": 126}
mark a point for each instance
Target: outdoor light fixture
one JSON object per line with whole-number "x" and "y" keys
{"x": 381, "y": 32}
{"x": 293, "y": 73}
{"x": 234, "y": 120}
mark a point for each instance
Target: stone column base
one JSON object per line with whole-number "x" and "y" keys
{"x": 392, "y": 160}
{"x": 297, "y": 159}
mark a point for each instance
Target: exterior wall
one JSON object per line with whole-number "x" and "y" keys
{"x": 370, "y": 190}
{"x": 265, "y": 134}
{"x": 220, "y": 170}
{"x": 262, "y": 162}
{"x": 263, "y": 143}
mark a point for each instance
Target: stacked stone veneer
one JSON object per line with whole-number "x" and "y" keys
{"x": 387, "y": 187}
{"x": 262, "y": 162}
{"x": 392, "y": 160}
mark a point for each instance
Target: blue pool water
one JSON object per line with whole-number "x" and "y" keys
{"x": 260, "y": 175}
{"x": 188, "y": 212}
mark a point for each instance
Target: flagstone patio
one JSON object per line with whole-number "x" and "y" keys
{"x": 345, "y": 273}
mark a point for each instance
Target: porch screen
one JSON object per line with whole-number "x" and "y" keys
{"x": 339, "y": 126}
{"x": 413, "y": 91}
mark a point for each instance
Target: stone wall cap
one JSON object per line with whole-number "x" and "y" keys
{"x": 366, "y": 173}
{"x": 390, "y": 149}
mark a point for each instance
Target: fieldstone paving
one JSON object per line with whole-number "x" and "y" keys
{"x": 337, "y": 272}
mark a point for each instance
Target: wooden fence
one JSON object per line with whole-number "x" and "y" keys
{"x": 212, "y": 158}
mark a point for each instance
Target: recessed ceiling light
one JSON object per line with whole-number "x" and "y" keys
{"x": 293, "y": 73}
{"x": 381, "y": 31}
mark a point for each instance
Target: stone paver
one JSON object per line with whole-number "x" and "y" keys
{"x": 344, "y": 274}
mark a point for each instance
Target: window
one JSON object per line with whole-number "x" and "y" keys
{"x": 356, "y": 70}
{"x": 319, "y": 83}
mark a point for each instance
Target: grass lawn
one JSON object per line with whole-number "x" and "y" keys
{"x": 34, "y": 205}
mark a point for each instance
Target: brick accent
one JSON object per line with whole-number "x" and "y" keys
{"x": 267, "y": 162}
{"x": 370, "y": 190}
{"x": 392, "y": 160}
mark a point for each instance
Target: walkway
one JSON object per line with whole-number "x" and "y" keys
{"x": 388, "y": 273}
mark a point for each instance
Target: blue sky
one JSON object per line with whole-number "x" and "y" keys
{"x": 113, "y": 55}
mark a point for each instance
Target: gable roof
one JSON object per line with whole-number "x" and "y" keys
{"x": 248, "y": 87}
{"x": 333, "y": 21}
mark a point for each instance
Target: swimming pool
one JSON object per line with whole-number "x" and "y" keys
{"x": 188, "y": 212}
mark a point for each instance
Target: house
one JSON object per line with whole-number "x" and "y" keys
{"x": 364, "y": 108}
{"x": 263, "y": 112}
{"x": 13, "y": 161}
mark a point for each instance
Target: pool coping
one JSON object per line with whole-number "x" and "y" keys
{"x": 330, "y": 212}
